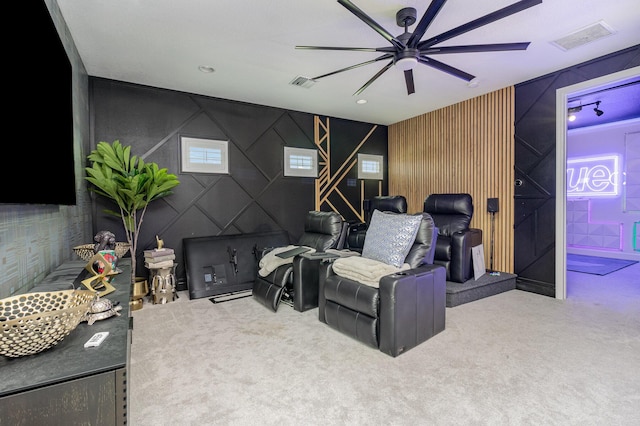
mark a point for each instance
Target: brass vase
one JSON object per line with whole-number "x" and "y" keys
{"x": 140, "y": 290}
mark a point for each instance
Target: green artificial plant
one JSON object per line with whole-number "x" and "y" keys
{"x": 130, "y": 183}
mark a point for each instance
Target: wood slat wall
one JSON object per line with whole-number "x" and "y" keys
{"x": 467, "y": 147}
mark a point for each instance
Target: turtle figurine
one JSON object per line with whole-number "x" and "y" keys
{"x": 101, "y": 309}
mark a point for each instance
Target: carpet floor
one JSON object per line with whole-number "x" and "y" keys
{"x": 516, "y": 358}
{"x": 596, "y": 265}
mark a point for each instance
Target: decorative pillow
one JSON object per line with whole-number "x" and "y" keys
{"x": 390, "y": 237}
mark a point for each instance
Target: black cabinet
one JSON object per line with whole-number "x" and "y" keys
{"x": 69, "y": 384}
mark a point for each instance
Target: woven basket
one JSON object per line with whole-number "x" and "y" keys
{"x": 33, "y": 322}
{"x": 85, "y": 251}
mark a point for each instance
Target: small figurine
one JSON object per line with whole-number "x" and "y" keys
{"x": 160, "y": 243}
{"x": 101, "y": 309}
{"x": 105, "y": 240}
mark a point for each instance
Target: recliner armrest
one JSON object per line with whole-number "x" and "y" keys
{"x": 324, "y": 270}
{"x": 412, "y": 307}
{"x": 461, "y": 267}
{"x": 305, "y": 283}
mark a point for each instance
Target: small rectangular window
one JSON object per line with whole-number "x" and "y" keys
{"x": 304, "y": 162}
{"x": 370, "y": 166}
{"x": 204, "y": 155}
{"x": 300, "y": 162}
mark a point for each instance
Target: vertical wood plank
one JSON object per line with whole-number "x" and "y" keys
{"x": 467, "y": 147}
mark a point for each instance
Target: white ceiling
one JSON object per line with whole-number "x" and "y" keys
{"x": 251, "y": 46}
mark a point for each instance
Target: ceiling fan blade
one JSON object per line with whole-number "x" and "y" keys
{"x": 356, "y": 49}
{"x": 476, "y": 23}
{"x": 497, "y": 47}
{"x": 425, "y": 21}
{"x": 446, "y": 68}
{"x": 380, "y": 58}
{"x": 408, "y": 78}
{"x": 373, "y": 24}
{"x": 378, "y": 74}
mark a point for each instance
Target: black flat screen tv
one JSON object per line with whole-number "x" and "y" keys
{"x": 38, "y": 154}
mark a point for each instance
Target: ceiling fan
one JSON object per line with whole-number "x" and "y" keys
{"x": 407, "y": 49}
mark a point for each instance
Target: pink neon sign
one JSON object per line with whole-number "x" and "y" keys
{"x": 593, "y": 176}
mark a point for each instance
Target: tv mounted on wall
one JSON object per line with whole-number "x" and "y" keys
{"x": 38, "y": 150}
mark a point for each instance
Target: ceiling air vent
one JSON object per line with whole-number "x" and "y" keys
{"x": 583, "y": 36}
{"x": 301, "y": 81}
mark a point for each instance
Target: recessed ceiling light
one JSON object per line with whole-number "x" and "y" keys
{"x": 361, "y": 101}
{"x": 206, "y": 69}
{"x": 473, "y": 83}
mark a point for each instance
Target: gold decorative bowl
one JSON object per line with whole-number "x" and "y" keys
{"x": 85, "y": 251}
{"x": 33, "y": 322}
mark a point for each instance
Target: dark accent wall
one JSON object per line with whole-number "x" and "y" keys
{"x": 254, "y": 196}
{"x": 36, "y": 239}
{"x": 535, "y": 163}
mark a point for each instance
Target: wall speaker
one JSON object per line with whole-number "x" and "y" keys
{"x": 492, "y": 205}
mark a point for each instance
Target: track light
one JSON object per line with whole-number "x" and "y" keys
{"x": 571, "y": 112}
{"x": 598, "y": 112}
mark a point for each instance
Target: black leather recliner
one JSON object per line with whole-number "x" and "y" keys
{"x": 383, "y": 203}
{"x": 405, "y": 310}
{"x": 322, "y": 231}
{"x": 452, "y": 215}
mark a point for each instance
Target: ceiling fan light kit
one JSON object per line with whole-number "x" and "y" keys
{"x": 407, "y": 50}
{"x": 407, "y": 63}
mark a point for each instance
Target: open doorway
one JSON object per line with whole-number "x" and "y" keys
{"x": 563, "y": 96}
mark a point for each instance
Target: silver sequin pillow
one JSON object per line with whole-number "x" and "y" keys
{"x": 390, "y": 237}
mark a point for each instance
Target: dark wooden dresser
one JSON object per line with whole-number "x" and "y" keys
{"x": 68, "y": 384}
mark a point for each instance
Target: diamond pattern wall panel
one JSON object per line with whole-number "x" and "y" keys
{"x": 254, "y": 196}
{"x": 534, "y": 252}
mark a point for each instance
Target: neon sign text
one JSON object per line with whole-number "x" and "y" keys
{"x": 593, "y": 176}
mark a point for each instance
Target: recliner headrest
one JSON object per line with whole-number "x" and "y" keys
{"x": 449, "y": 204}
{"x": 322, "y": 230}
{"x": 451, "y": 212}
{"x": 387, "y": 203}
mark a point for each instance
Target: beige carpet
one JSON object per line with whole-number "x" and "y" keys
{"x": 516, "y": 358}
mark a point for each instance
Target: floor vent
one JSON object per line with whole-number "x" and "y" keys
{"x": 583, "y": 36}
{"x": 301, "y": 81}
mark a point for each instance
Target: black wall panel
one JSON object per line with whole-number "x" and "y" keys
{"x": 535, "y": 164}
{"x": 255, "y": 196}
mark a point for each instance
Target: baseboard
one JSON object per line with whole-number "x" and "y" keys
{"x": 537, "y": 287}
